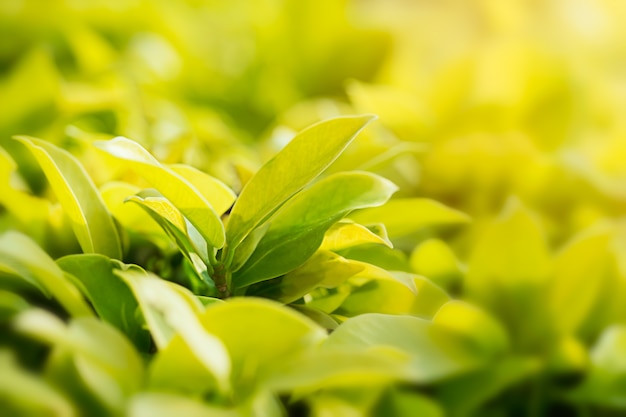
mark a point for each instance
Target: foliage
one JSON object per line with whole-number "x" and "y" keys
{"x": 187, "y": 237}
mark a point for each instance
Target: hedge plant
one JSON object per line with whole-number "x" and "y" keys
{"x": 324, "y": 208}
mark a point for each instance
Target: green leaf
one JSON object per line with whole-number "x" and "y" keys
{"x": 340, "y": 368}
{"x": 464, "y": 395}
{"x": 170, "y": 309}
{"x": 403, "y": 402}
{"x": 380, "y": 291}
{"x": 277, "y": 334}
{"x": 604, "y": 385}
{"x": 29, "y": 392}
{"x": 11, "y": 304}
{"x": 106, "y": 361}
{"x": 108, "y": 293}
{"x": 478, "y": 331}
{"x": 298, "y": 228}
{"x": 20, "y": 256}
{"x": 303, "y": 159}
{"x": 382, "y": 256}
{"x": 213, "y": 190}
{"x": 248, "y": 246}
{"x": 62, "y": 371}
{"x": 176, "y": 188}
{"x": 130, "y": 216}
{"x": 581, "y": 275}
{"x": 31, "y": 212}
{"x": 176, "y": 368}
{"x": 404, "y": 216}
{"x": 91, "y": 221}
{"x": 258, "y": 335}
{"x": 507, "y": 274}
{"x": 323, "y": 269}
{"x": 358, "y": 401}
{"x": 161, "y": 404}
{"x": 319, "y": 317}
{"x": 511, "y": 252}
{"x": 435, "y": 260}
{"x": 346, "y": 234}
{"x": 179, "y": 229}
{"x": 433, "y": 350}
{"x": 328, "y": 301}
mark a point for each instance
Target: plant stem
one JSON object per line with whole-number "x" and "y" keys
{"x": 221, "y": 280}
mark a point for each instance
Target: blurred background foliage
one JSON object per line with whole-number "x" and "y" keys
{"x": 509, "y": 111}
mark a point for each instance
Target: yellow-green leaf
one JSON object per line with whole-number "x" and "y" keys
{"x": 346, "y": 234}
{"x": 213, "y": 190}
{"x": 476, "y": 329}
{"x": 433, "y": 350}
{"x": 507, "y": 274}
{"x": 582, "y": 273}
{"x": 323, "y": 269}
{"x": 303, "y": 159}
{"x": 172, "y": 221}
{"x": 435, "y": 260}
{"x": 29, "y": 393}
{"x": 105, "y": 360}
{"x": 19, "y": 255}
{"x": 380, "y": 291}
{"x": 258, "y": 335}
{"x": 170, "y": 309}
{"x": 91, "y": 221}
{"x": 275, "y": 332}
{"x": 161, "y": 404}
{"x": 30, "y": 211}
{"x": 403, "y": 216}
{"x": 175, "y": 187}
{"x": 298, "y": 228}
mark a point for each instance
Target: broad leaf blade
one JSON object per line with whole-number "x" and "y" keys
{"x": 508, "y": 275}
{"x": 214, "y": 191}
{"x": 31, "y": 212}
{"x": 340, "y": 368}
{"x": 172, "y": 185}
{"x": 434, "y": 259}
{"x": 393, "y": 293}
{"x": 297, "y": 230}
{"x": 172, "y": 221}
{"x": 161, "y": 404}
{"x": 479, "y": 331}
{"x": 107, "y": 292}
{"x": 303, "y": 159}
{"x": 276, "y": 332}
{"x": 604, "y": 384}
{"x": 31, "y": 392}
{"x": 170, "y": 310}
{"x": 323, "y": 269}
{"x": 81, "y": 201}
{"x": 106, "y": 362}
{"x": 466, "y": 394}
{"x": 258, "y": 335}
{"x": 403, "y": 216}
{"x": 346, "y": 234}
{"x": 20, "y": 254}
{"x": 433, "y": 350}
{"x": 582, "y": 276}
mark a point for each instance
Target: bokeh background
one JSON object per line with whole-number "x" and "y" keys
{"x": 507, "y": 98}
{"x": 509, "y": 111}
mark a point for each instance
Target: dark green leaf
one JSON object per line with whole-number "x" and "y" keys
{"x": 108, "y": 294}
